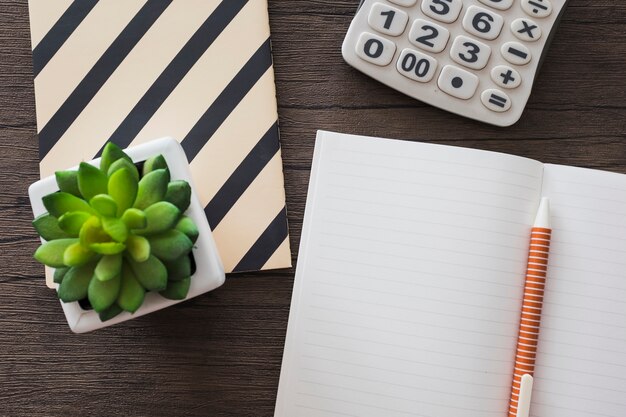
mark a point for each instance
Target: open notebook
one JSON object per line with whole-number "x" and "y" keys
{"x": 410, "y": 281}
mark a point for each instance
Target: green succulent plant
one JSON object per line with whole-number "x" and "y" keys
{"x": 116, "y": 232}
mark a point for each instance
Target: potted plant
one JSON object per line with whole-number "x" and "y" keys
{"x": 125, "y": 234}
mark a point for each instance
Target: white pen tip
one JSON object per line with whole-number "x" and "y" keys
{"x": 543, "y": 214}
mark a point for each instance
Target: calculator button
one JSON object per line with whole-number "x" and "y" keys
{"x": 416, "y": 65}
{"x": 537, "y": 8}
{"x": 405, "y": 3}
{"x": 387, "y": 19}
{"x": 375, "y": 49}
{"x": 516, "y": 53}
{"x": 506, "y": 77}
{"x": 470, "y": 53}
{"x": 526, "y": 30}
{"x": 429, "y": 36}
{"x": 483, "y": 23}
{"x": 495, "y": 100}
{"x": 446, "y": 11}
{"x": 498, "y": 4}
{"x": 457, "y": 82}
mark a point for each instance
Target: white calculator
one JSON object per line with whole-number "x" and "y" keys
{"x": 475, "y": 58}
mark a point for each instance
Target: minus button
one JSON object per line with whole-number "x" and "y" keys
{"x": 516, "y": 53}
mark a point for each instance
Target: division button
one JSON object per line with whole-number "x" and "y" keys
{"x": 496, "y": 100}
{"x": 375, "y": 49}
{"x": 506, "y": 77}
{"x": 516, "y": 53}
{"x": 457, "y": 82}
{"x": 498, "y": 4}
{"x": 537, "y": 8}
{"x": 526, "y": 30}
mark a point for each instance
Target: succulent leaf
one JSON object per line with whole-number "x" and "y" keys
{"x": 59, "y": 274}
{"x": 151, "y": 274}
{"x": 187, "y": 226}
{"x": 138, "y": 247}
{"x": 102, "y": 294}
{"x": 76, "y": 283}
{"x": 92, "y": 232}
{"x": 111, "y": 154}
{"x": 161, "y": 217}
{"x": 72, "y": 222}
{"x": 154, "y": 163}
{"x": 179, "y": 269}
{"x": 104, "y": 205}
{"x": 108, "y": 248}
{"x": 123, "y": 189}
{"x": 68, "y": 182}
{"x": 110, "y": 313}
{"x": 91, "y": 181}
{"x": 77, "y": 255}
{"x": 115, "y": 228}
{"x": 152, "y": 188}
{"x": 48, "y": 227}
{"x": 132, "y": 293}
{"x": 135, "y": 219}
{"x": 60, "y": 203}
{"x": 177, "y": 290}
{"x": 124, "y": 163}
{"x": 108, "y": 267}
{"x": 170, "y": 245}
{"x": 179, "y": 194}
{"x": 51, "y": 253}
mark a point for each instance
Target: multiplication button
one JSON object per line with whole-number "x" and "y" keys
{"x": 416, "y": 65}
{"x": 495, "y": 100}
{"x": 388, "y": 20}
{"x": 375, "y": 49}
{"x": 526, "y": 30}
{"x": 506, "y": 77}
{"x": 516, "y": 53}
{"x": 537, "y": 8}
{"x": 457, "y": 82}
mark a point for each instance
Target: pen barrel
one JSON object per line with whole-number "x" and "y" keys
{"x": 532, "y": 305}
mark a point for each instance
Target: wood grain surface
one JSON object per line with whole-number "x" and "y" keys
{"x": 220, "y": 354}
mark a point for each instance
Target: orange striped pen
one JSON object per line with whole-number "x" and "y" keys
{"x": 530, "y": 321}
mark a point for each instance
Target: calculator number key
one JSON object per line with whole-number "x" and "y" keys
{"x": 429, "y": 36}
{"x": 470, "y": 53}
{"x": 417, "y": 66}
{"x": 405, "y": 3}
{"x": 387, "y": 19}
{"x": 526, "y": 30}
{"x": 375, "y": 49}
{"x": 446, "y": 11}
{"x": 495, "y": 100}
{"x": 483, "y": 23}
{"x": 498, "y": 4}
{"x": 457, "y": 82}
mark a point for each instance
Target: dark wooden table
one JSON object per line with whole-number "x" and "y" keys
{"x": 220, "y": 354}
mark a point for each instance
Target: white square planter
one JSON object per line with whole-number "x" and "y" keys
{"x": 209, "y": 270}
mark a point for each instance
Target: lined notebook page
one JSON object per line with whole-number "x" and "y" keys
{"x": 581, "y": 367}
{"x": 409, "y": 281}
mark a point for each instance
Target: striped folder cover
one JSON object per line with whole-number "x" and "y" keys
{"x": 200, "y": 71}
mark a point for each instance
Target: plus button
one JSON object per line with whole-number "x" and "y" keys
{"x": 507, "y": 77}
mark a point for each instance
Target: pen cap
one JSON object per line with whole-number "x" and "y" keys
{"x": 543, "y": 214}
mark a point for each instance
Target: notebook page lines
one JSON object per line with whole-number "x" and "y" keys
{"x": 411, "y": 280}
{"x": 581, "y": 366}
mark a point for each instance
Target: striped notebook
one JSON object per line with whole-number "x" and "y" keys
{"x": 197, "y": 70}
